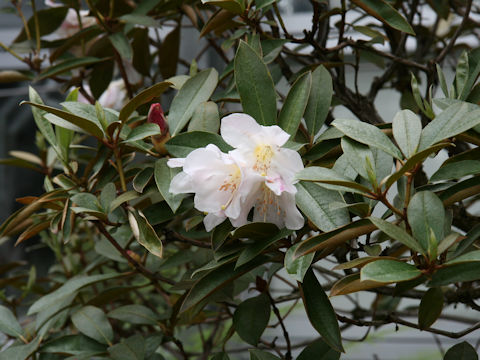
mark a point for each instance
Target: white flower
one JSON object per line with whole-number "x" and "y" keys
{"x": 217, "y": 181}
{"x": 115, "y": 96}
{"x": 259, "y": 148}
{"x": 257, "y": 174}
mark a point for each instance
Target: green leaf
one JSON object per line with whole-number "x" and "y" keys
{"x": 386, "y": 13}
{"x": 143, "y": 97}
{"x": 472, "y": 256}
{"x": 67, "y": 289}
{"x": 126, "y": 196}
{"x": 320, "y": 311}
{"x": 251, "y": 318}
{"x": 48, "y": 21}
{"x": 431, "y": 307}
{"x": 468, "y": 271}
{"x": 407, "y": 128}
{"x": 82, "y": 123}
{"x": 134, "y": 314}
{"x": 457, "y": 118}
{"x": 256, "y": 248}
{"x": 397, "y": 233}
{"x": 461, "y": 73}
{"x": 8, "y": 323}
{"x": 461, "y": 351}
{"x": 388, "y": 271}
{"x": 295, "y": 104}
{"x": 256, "y": 354}
{"x": 217, "y": 279}
{"x": 42, "y": 124}
{"x": 255, "y": 86}
{"x": 318, "y": 350}
{"x": 92, "y": 322}
{"x": 329, "y": 176}
{"x": 471, "y": 236}
{"x": 456, "y": 170}
{"x": 367, "y": 134}
{"x": 169, "y": 50}
{"x": 357, "y": 155}
{"x": 319, "y": 100}
{"x": 183, "y": 144}
{"x": 145, "y": 234}
{"x": 72, "y": 345}
{"x": 142, "y": 179}
{"x": 21, "y": 352}
{"x": 205, "y": 118}
{"x": 271, "y": 48}
{"x": 163, "y": 177}
{"x": 142, "y": 131}
{"x": 122, "y": 45}
{"x": 234, "y": 6}
{"x": 68, "y": 65}
{"x": 297, "y": 268}
{"x": 335, "y": 237}
{"x": 414, "y": 160}
{"x": 255, "y": 230}
{"x": 132, "y": 348}
{"x": 442, "y": 81}
{"x": 220, "y": 356}
{"x": 108, "y": 194}
{"x": 425, "y": 211}
{"x": 88, "y": 112}
{"x": 196, "y": 90}
{"x": 314, "y": 201}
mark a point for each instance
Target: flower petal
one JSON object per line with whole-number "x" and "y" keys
{"x": 181, "y": 183}
{"x": 212, "y": 220}
{"x": 238, "y": 130}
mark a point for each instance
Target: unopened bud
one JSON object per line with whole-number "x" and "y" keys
{"x": 156, "y": 116}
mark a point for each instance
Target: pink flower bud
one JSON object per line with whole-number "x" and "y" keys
{"x": 156, "y": 116}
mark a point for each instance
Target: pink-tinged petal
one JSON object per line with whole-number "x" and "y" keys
{"x": 176, "y": 162}
{"x": 238, "y": 130}
{"x": 278, "y": 185}
{"x": 293, "y": 218}
{"x": 212, "y": 220}
{"x": 181, "y": 184}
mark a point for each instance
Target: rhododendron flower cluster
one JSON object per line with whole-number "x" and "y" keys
{"x": 258, "y": 173}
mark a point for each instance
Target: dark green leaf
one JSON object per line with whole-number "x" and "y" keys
{"x": 251, "y": 318}
{"x": 462, "y": 272}
{"x": 256, "y": 354}
{"x": 319, "y": 100}
{"x": 297, "y": 268}
{"x": 256, "y": 248}
{"x": 168, "y": 54}
{"x": 142, "y": 131}
{"x": 48, "y": 21}
{"x": 67, "y": 65}
{"x": 461, "y": 351}
{"x": 134, "y": 314}
{"x": 314, "y": 201}
{"x": 66, "y": 290}
{"x": 318, "y": 350}
{"x": 425, "y": 211}
{"x": 42, "y": 124}
{"x": 387, "y": 271}
{"x": 357, "y": 155}
{"x": 456, "y": 119}
{"x": 386, "y": 13}
{"x": 456, "y": 170}
{"x": 196, "y": 90}
{"x": 132, "y": 348}
{"x": 77, "y": 121}
{"x": 92, "y": 322}
{"x": 255, "y": 86}
{"x": 407, "y": 128}
{"x": 320, "y": 311}
{"x": 122, "y": 45}
{"x": 163, "y": 177}
{"x": 397, "y": 233}
{"x": 143, "y": 97}
{"x": 145, "y": 234}
{"x": 367, "y": 134}
{"x": 142, "y": 179}
{"x": 182, "y": 144}
{"x": 72, "y": 345}
{"x": 205, "y": 118}
{"x": 430, "y": 308}
{"x": 8, "y": 323}
{"x": 295, "y": 104}
{"x": 21, "y": 352}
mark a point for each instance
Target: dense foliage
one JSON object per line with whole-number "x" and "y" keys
{"x": 138, "y": 276}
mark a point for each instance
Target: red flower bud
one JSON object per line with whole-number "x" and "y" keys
{"x": 156, "y": 116}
